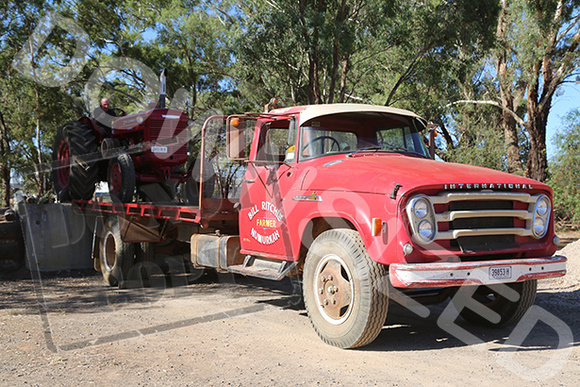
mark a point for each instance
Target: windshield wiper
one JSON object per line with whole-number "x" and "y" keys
{"x": 374, "y": 147}
{"x": 385, "y": 148}
{"x": 405, "y": 150}
{"x": 396, "y": 148}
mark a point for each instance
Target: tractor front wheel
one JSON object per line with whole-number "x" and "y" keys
{"x": 121, "y": 178}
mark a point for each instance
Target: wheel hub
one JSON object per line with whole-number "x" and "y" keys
{"x": 110, "y": 251}
{"x": 115, "y": 179}
{"x": 335, "y": 289}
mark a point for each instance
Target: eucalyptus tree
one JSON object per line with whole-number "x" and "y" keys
{"x": 537, "y": 52}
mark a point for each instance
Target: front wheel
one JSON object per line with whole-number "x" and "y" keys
{"x": 508, "y": 303}
{"x": 345, "y": 291}
{"x": 121, "y": 178}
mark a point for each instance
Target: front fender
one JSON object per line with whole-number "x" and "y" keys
{"x": 355, "y": 211}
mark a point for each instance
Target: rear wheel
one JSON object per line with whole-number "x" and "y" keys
{"x": 75, "y": 167}
{"x": 510, "y": 303}
{"x": 345, "y": 291}
{"x": 121, "y": 178}
{"x": 145, "y": 252}
{"x": 116, "y": 256}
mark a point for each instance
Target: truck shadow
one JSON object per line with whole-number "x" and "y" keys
{"x": 550, "y": 325}
{"x": 555, "y": 326}
{"x": 83, "y": 292}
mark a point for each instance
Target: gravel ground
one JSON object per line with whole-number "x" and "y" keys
{"x": 571, "y": 281}
{"x": 67, "y": 329}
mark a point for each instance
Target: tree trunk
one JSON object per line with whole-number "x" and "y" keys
{"x": 509, "y": 124}
{"x": 336, "y": 52}
{"x": 343, "y": 78}
{"x": 514, "y": 162}
{"x": 537, "y": 160}
{"x": 4, "y": 167}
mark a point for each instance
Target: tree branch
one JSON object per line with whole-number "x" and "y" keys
{"x": 492, "y": 103}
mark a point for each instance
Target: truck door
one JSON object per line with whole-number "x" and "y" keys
{"x": 267, "y": 182}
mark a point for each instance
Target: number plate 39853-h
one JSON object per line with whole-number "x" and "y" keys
{"x": 501, "y": 272}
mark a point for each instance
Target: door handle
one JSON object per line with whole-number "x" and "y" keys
{"x": 249, "y": 181}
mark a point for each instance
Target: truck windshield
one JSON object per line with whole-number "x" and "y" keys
{"x": 362, "y": 132}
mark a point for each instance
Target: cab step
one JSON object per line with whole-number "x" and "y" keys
{"x": 224, "y": 254}
{"x": 263, "y": 268}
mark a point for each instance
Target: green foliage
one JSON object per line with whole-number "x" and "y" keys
{"x": 234, "y": 55}
{"x": 565, "y": 170}
{"x": 479, "y": 140}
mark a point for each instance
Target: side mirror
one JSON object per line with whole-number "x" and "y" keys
{"x": 235, "y": 138}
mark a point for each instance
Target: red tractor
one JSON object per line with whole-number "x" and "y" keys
{"x": 142, "y": 151}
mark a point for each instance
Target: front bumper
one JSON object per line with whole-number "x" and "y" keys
{"x": 448, "y": 274}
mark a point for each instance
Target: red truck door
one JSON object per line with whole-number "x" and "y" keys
{"x": 265, "y": 190}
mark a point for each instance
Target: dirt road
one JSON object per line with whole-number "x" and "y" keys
{"x": 69, "y": 329}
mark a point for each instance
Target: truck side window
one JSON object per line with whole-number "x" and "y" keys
{"x": 274, "y": 144}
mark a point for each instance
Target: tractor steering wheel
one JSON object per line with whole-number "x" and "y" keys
{"x": 119, "y": 112}
{"x": 322, "y": 138}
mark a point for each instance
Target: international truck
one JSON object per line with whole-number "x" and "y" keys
{"x": 349, "y": 199}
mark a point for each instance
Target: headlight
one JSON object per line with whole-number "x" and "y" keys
{"x": 425, "y": 230}
{"x": 539, "y": 226}
{"x": 422, "y": 218}
{"x": 541, "y": 216}
{"x": 421, "y": 208}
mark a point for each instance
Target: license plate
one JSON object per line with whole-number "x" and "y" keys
{"x": 159, "y": 149}
{"x": 502, "y": 272}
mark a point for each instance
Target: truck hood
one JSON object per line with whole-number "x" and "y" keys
{"x": 378, "y": 173}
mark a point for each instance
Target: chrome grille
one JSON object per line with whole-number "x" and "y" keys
{"x": 494, "y": 217}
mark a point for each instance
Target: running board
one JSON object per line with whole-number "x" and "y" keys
{"x": 263, "y": 268}
{"x": 223, "y": 254}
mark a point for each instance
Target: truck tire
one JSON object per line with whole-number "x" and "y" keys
{"x": 74, "y": 157}
{"x": 116, "y": 256}
{"x": 144, "y": 252}
{"x": 510, "y": 312}
{"x": 145, "y": 272}
{"x": 121, "y": 178}
{"x": 345, "y": 291}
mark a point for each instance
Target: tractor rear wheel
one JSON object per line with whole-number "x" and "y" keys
{"x": 121, "y": 178}
{"x": 74, "y": 156}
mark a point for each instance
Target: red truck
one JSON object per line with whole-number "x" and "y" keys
{"x": 348, "y": 198}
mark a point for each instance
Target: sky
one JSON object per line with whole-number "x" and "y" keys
{"x": 561, "y": 106}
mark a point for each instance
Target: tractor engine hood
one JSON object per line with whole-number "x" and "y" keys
{"x": 377, "y": 173}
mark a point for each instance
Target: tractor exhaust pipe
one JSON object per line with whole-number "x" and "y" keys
{"x": 163, "y": 89}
